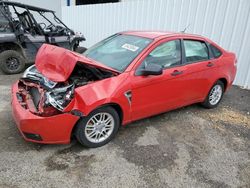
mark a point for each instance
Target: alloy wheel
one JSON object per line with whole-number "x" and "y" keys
{"x": 99, "y": 127}
{"x": 215, "y": 94}
{"x": 12, "y": 63}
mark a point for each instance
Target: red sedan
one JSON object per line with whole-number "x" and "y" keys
{"x": 126, "y": 77}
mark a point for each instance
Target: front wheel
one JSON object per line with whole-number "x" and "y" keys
{"x": 98, "y": 128}
{"x": 12, "y": 62}
{"x": 215, "y": 95}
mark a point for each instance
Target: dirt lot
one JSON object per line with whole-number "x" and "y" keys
{"x": 189, "y": 147}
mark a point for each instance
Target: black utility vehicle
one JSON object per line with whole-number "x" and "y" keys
{"x": 24, "y": 28}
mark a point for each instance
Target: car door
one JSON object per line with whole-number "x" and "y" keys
{"x": 155, "y": 94}
{"x": 199, "y": 67}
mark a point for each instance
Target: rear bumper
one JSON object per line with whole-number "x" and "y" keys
{"x": 232, "y": 78}
{"x": 48, "y": 130}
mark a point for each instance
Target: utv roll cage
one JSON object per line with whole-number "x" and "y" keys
{"x": 25, "y": 28}
{"x": 27, "y": 17}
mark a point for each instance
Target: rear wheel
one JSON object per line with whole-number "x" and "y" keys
{"x": 98, "y": 128}
{"x": 215, "y": 95}
{"x": 12, "y": 62}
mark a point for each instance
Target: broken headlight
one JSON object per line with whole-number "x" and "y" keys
{"x": 33, "y": 74}
{"x": 59, "y": 98}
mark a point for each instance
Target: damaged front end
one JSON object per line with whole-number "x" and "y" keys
{"x": 41, "y": 96}
{"x": 44, "y": 97}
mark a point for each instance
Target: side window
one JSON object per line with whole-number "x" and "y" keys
{"x": 167, "y": 54}
{"x": 195, "y": 51}
{"x": 216, "y": 52}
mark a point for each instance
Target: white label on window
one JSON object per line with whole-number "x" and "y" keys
{"x": 130, "y": 47}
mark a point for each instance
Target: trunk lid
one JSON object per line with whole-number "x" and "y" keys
{"x": 57, "y": 63}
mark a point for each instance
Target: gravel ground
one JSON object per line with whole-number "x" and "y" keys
{"x": 188, "y": 147}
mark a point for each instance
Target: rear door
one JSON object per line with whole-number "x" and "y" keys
{"x": 200, "y": 68}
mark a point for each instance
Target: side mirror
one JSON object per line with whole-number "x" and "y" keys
{"x": 152, "y": 69}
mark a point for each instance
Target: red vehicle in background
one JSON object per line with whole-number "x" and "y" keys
{"x": 126, "y": 77}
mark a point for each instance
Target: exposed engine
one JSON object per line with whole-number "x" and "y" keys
{"x": 44, "y": 97}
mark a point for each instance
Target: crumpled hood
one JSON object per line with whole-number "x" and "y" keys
{"x": 57, "y": 63}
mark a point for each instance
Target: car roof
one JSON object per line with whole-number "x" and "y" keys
{"x": 17, "y": 4}
{"x": 160, "y": 34}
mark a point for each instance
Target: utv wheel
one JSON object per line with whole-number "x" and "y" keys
{"x": 12, "y": 62}
{"x": 80, "y": 50}
{"x": 98, "y": 128}
{"x": 215, "y": 95}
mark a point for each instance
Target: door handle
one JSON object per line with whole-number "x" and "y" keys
{"x": 176, "y": 72}
{"x": 210, "y": 64}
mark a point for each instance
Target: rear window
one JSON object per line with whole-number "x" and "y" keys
{"x": 216, "y": 52}
{"x": 195, "y": 51}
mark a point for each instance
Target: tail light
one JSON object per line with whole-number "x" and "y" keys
{"x": 235, "y": 62}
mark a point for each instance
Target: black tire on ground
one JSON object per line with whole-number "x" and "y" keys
{"x": 11, "y": 62}
{"x": 80, "y": 131}
{"x": 80, "y": 49}
{"x": 207, "y": 103}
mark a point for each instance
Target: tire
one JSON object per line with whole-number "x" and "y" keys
{"x": 209, "y": 102}
{"x": 80, "y": 50}
{"x": 87, "y": 135}
{"x": 12, "y": 62}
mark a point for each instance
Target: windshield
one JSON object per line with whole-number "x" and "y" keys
{"x": 117, "y": 51}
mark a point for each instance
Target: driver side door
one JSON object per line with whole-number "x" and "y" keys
{"x": 155, "y": 94}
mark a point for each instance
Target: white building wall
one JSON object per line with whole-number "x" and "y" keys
{"x": 64, "y": 2}
{"x": 71, "y": 2}
{"x": 226, "y": 22}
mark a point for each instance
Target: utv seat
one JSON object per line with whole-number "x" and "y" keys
{"x": 28, "y": 24}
